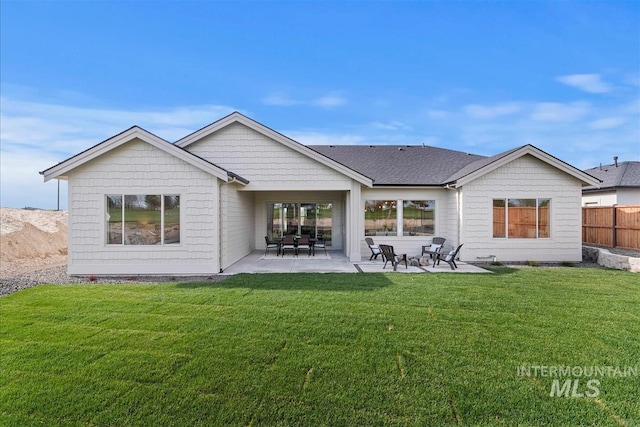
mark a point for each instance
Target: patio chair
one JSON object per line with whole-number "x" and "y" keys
{"x": 288, "y": 243}
{"x": 449, "y": 258}
{"x": 271, "y": 245}
{"x": 303, "y": 243}
{"x": 320, "y": 243}
{"x": 435, "y": 246}
{"x": 389, "y": 255}
{"x": 375, "y": 249}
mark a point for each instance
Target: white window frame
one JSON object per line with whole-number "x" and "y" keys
{"x": 506, "y": 217}
{"x": 162, "y": 214}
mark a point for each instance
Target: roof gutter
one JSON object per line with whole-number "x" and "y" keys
{"x": 232, "y": 177}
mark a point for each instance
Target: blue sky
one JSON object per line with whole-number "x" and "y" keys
{"x": 481, "y": 77}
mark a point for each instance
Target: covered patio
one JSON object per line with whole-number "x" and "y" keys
{"x": 335, "y": 262}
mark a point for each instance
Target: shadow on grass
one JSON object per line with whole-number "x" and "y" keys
{"x": 499, "y": 270}
{"x": 298, "y": 281}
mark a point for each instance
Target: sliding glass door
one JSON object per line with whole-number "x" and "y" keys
{"x": 324, "y": 221}
{"x": 308, "y": 219}
{"x": 314, "y": 219}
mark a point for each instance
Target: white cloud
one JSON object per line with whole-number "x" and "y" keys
{"x": 633, "y": 107}
{"x": 633, "y": 80}
{"x": 591, "y": 83}
{"x": 607, "y": 123}
{"x": 329, "y": 100}
{"x": 21, "y": 184}
{"x": 476, "y": 111}
{"x": 437, "y": 114}
{"x": 280, "y": 100}
{"x": 319, "y": 138}
{"x": 559, "y": 112}
{"x": 392, "y": 125}
{"x": 37, "y": 135}
{"x": 36, "y": 122}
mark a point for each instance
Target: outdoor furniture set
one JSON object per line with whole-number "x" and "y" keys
{"x": 435, "y": 250}
{"x": 295, "y": 244}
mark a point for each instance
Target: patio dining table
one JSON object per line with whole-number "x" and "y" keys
{"x": 312, "y": 243}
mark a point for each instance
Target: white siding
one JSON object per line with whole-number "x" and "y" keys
{"x": 445, "y": 218}
{"x": 449, "y": 218}
{"x": 605, "y": 198}
{"x": 619, "y": 196}
{"x": 267, "y": 164}
{"x": 525, "y": 177}
{"x": 237, "y": 223}
{"x": 140, "y": 168}
{"x": 629, "y": 196}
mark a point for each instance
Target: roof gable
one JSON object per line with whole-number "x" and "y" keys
{"x": 483, "y": 166}
{"x": 236, "y": 117}
{"x": 61, "y": 169}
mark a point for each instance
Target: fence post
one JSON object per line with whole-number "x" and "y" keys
{"x": 614, "y": 240}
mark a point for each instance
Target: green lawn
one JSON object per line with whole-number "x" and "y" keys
{"x": 322, "y": 349}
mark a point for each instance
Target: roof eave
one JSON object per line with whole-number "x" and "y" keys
{"x": 408, "y": 185}
{"x": 237, "y": 178}
{"x": 60, "y": 170}
{"x": 587, "y": 180}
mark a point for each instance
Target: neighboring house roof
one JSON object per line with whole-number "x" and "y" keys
{"x": 624, "y": 175}
{"x": 402, "y": 165}
{"x": 61, "y": 169}
{"x": 237, "y": 117}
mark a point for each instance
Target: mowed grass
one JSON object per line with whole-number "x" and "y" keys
{"x": 322, "y": 349}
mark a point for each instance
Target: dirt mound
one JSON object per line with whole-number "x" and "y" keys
{"x": 31, "y": 239}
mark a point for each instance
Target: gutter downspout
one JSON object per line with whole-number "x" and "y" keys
{"x": 458, "y": 209}
{"x": 220, "y": 237}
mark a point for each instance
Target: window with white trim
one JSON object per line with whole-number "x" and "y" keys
{"x": 143, "y": 219}
{"x": 380, "y": 218}
{"x": 521, "y": 218}
{"x": 387, "y": 217}
{"x": 418, "y": 217}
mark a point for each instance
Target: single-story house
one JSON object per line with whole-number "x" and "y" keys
{"x": 139, "y": 204}
{"x": 620, "y": 185}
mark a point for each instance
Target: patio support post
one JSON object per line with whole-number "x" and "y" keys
{"x": 355, "y": 220}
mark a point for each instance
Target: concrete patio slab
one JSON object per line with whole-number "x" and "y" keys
{"x": 376, "y": 267}
{"x": 337, "y": 263}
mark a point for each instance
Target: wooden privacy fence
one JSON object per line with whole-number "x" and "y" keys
{"x": 524, "y": 221}
{"x": 612, "y": 226}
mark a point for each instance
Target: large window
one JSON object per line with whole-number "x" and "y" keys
{"x": 147, "y": 219}
{"x": 386, "y": 217}
{"x": 380, "y": 218}
{"x": 418, "y": 217}
{"x": 521, "y": 218}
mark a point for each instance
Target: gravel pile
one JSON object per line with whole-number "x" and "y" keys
{"x": 58, "y": 276}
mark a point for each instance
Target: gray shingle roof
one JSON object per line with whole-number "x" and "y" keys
{"x": 627, "y": 174}
{"x": 478, "y": 164}
{"x": 400, "y": 164}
